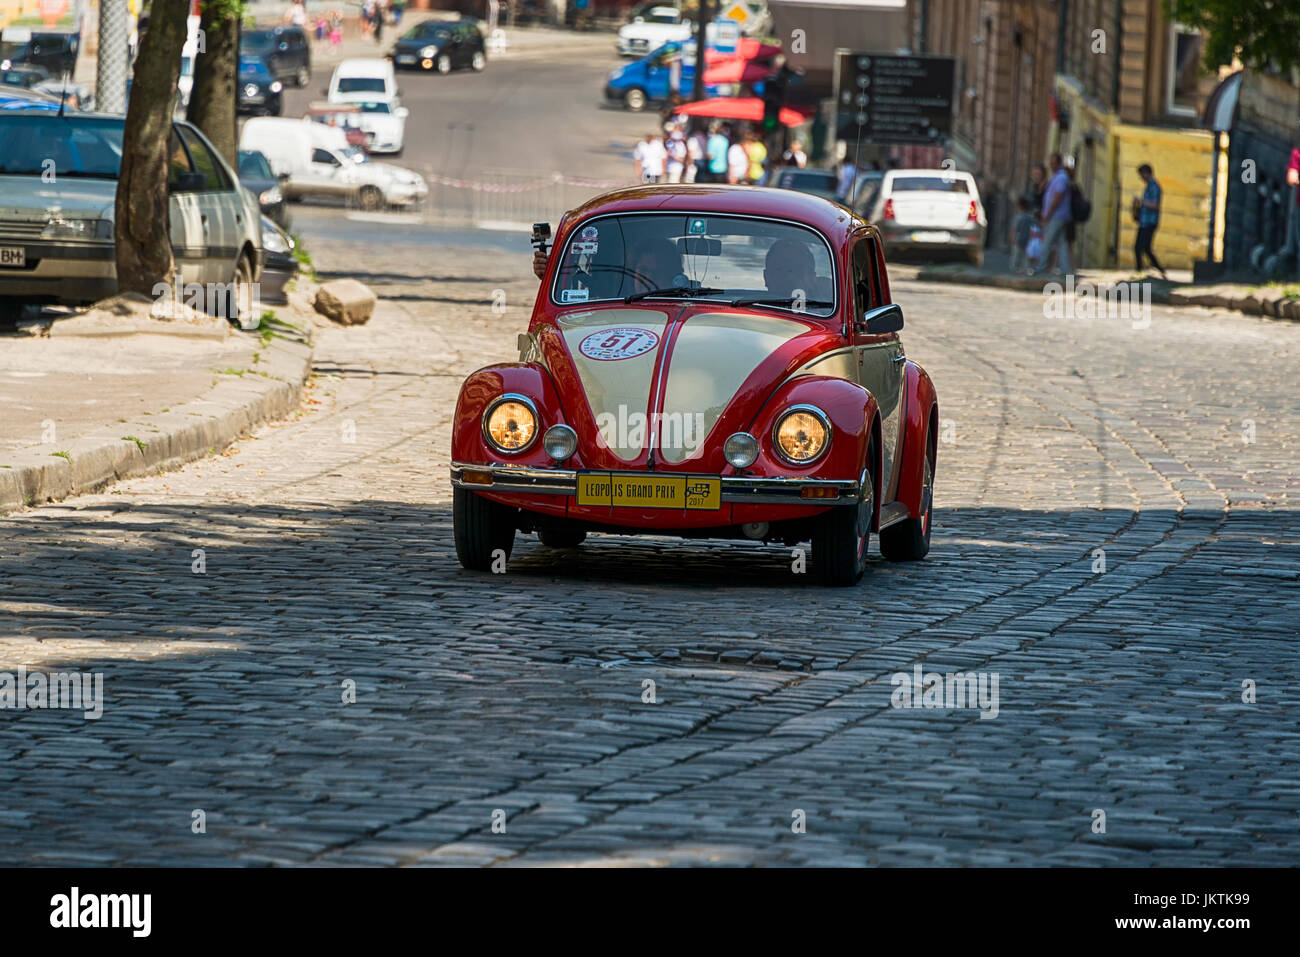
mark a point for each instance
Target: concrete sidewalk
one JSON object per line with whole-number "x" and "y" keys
{"x": 113, "y": 393}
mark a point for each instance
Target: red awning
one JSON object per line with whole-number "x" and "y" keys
{"x": 747, "y": 49}
{"x": 735, "y": 70}
{"x": 741, "y": 108}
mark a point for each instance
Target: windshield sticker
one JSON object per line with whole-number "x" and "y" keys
{"x": 698, "y": 227}
{"x": 587, "y": 243}
{"x": 611, "y": 344}
{"x": 574, "y": 295}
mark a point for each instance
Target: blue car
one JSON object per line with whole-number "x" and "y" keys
{"x": 259, "y": 91}
{"x": 650, "y": 79}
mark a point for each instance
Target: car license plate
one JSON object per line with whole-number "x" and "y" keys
{"x": 406, "y": 58}
{"x": 937, "y": 236}
{"x": 15, "y": 256}
{"x": 650, "y": 491}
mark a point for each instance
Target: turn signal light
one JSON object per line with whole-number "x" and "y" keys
{"x": 470, "y": 477}
{"x": 818, "y": 491}
{"x": 888, "y": 211}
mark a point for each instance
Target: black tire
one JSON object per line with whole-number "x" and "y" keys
{"x": 302, "y": 76}
{"x": 478, "y": 61}
{"x": 370, "y": 198}
{"x": 11, "y": 310}
{"x": 443, "y": 64}
{"x": 239, "y": 306}
{"x": 562, "y": 537}
{"x": 976, "y": 257}
{"x": 842, "y": 539}
{"x": 909, "y": 540}
{"x": 481, "y": 528}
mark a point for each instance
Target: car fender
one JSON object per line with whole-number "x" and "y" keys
{"x": 854, "y": 417}
{"x": 920, "y": 424}
{"x": 522, "y": 378}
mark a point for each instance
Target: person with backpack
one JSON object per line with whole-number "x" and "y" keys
{"x": 1055, "y": 216}
{"x": 1148, "y": 218}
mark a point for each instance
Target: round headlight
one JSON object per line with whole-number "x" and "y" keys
{"x": 560, "y": 442}
{"x": 276, "y": 87}
{"x": 802, "y": 434}
{"x": 510, "y": 424}
{"x": 250, "y": 90}
{"x": 740, "y": 449}
{"x": 428, "y": 53}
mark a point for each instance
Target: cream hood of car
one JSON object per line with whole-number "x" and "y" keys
{"x": 649, "y": 381}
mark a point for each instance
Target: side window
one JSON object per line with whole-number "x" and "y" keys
{"x": 865, "y": 296}
{"x": 204, "y": 162}
{"x": 323, "y": 156}
{"x": 882, "y": 274}
{"x": 178, "y": 160}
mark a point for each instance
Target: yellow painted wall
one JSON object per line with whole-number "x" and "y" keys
{"x": 1182, "y": 160}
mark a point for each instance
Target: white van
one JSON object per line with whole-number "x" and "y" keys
{"x": 363, "y": 78}
{"x": 320, "y": 164}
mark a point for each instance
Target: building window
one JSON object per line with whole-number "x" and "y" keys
{"x": 1184, "y": 56}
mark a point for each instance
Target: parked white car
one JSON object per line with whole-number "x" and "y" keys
{"x": 361, "y": 79}
{"x": 930, "y": 210}
{"x": 56, "y": 235}
{"x": 320, "y": 164}
{"x": 651, "y": 30}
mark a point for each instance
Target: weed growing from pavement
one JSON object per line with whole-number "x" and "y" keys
{"x": 140, "y": 443}
{"x": 63, "y": 455}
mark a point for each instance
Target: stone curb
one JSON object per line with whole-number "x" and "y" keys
{"x": 212, "y": 421}
{"x": 1245, "y": 299}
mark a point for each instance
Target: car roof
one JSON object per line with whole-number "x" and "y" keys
{"x": 829, "y": 218}
{"x": 364, "y": 66}
{"x": 964, "y": 174}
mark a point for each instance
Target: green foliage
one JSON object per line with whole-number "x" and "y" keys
{"x": 63, "y": 455}
{"x": 140, "y": 443}
{"x": 1263, "y": 33}
{"x": 224, "y": 9}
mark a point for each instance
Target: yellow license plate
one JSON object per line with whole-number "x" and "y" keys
{"x": 650, "y": 491}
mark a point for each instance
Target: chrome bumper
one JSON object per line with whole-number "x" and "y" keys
{"x": 741, "y": 490}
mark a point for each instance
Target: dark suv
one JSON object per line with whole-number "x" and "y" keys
{"x": 284, "y": 50}
{"x": 56, "y": 53}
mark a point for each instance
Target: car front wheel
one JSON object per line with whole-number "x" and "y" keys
{"x": 484, "y": 530}
{"x": 634, "y": 100}
{"x": 444, "y": 64}
{"x": 909, "y": 540}
{"x": 370, "y": 198}
{"x": 478, "y": 62}
{"x": 841, "y": 538}
{"x": 303, "y": 76}
{"x": 240, "y": 304}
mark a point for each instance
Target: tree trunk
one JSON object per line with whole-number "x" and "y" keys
{"x": 214, "y": 96}
{"x": 142, "y": 227}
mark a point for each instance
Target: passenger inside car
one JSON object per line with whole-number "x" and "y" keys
{"x": 789, "y": 267}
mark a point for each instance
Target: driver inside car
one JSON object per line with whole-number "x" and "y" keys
{"x": 653, "y": 264}
{"x": 788, "y": 268}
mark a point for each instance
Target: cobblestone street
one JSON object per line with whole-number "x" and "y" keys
{"x": 1116, "y": 537}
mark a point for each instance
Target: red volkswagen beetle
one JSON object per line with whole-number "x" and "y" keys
{"x": 710, "y": 362}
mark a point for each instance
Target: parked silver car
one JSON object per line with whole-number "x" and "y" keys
{"x": 930, "y": 211}
{"x": 58, "y": 186}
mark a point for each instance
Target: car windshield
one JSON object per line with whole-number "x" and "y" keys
{"x": 251, "y": 67}
{"x": 257, "y": 42}
{"x": 253, "y": 165}
{"x": 373, "y": 106}
{"x": 933, "y": 184}
{"x": 71, "y": 145}
{"x": 361, "y": 84}
{"x": 697, "y": 255}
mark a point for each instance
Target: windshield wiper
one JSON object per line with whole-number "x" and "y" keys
{"x": 781, "y": 301}
{"x": 672, "y": 291}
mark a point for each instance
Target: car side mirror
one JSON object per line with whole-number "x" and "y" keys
{"x": 189, "y": 183}
{"x": 282, "y": 178}
{"x": 403, "y": 112}
{"x": 399, "y": 91}
{"x": 881, "y": 320}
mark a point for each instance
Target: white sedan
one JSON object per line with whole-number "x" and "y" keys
{"x": 384, "y": 123}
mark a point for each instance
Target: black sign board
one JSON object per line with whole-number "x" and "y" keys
{"x": 894, "y": 99}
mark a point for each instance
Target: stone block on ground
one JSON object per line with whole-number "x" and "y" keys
{"x": 346, "y": 301}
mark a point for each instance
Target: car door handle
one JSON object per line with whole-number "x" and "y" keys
{"x": 899, "y": 358}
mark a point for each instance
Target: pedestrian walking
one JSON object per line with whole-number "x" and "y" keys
{"x": 380, "y": 6}
{"x": 336, "y": 30}
{"x": 675, "y": 145}
{"x": 696, "y": 154}
{"x": 848, "y": 173}
{"x": 1055, "y": 215}
{"x": 296, "y": 14}
{"x": 737, "y": 162}
{"x": 1291, "y": 251}
{"x": 1038, "y": 185}
{"x": 757, "y": 154}
{"x": 650, "y": 157}
{"x": 716, "y": 151}
{"x": 1022, "y": 228}
{"x": 1148, "y": 210}
{"x": 367, "y": 17}
{"x": 795, "y": 156}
